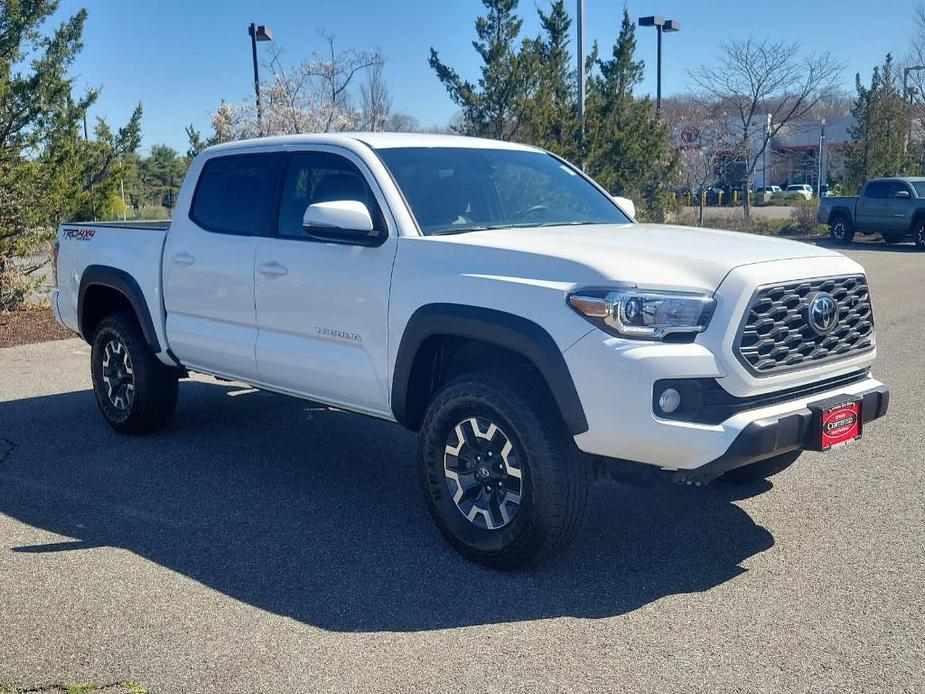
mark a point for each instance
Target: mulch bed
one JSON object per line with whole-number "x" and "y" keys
{"x": 26, "y": 327}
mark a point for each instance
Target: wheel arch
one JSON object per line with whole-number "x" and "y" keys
{"x": 841, "y": 212}
{"x": 104, "y": 289}
{"x": 513, "y": 334}
{"x": 917, "y": 217}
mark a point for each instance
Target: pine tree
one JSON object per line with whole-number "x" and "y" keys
{"x": 497, "y": 105}
{"x": 48, "y": 172}
{"x": 883, "y": 124}
{"x": 627, "y": 150}
{"x": 552, "y": 116}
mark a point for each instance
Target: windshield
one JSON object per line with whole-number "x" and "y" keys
{"x": 457, "y": 189}
{"x": 919, "y": 188}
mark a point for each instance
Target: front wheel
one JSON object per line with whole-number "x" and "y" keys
{"x": 918, "y": 234}
{"x": 502, "y": 478}
{"x": 841, "y": 231}
{"x": 136, "y": 393}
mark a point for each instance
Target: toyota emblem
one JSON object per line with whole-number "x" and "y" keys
{"x": 822, "y": 314}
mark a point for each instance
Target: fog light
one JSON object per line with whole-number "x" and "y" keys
{"x": 669, "y": 400}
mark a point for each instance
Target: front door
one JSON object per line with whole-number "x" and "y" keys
{"x": 322, "y": 308}
{"x": 209, "y": 264}
{"x": 900, "y": 208}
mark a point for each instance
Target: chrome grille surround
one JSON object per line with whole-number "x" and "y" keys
{"x": 775, "y": 335}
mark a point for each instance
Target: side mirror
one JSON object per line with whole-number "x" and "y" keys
{"x": 902, "y": 194}
{"x": 341, "y": 221}
{"x": 626, "y": 205}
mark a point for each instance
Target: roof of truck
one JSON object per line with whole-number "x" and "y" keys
{"x": 378, "y": 141}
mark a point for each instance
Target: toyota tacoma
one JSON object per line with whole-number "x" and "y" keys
{"x": 489, "y": 296}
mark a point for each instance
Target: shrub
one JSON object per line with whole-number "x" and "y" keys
{"x": 804, "y": 217}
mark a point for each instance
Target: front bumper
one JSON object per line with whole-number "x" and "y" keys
{"x": 773, "y": 436}
{"x": 616, "y": 378}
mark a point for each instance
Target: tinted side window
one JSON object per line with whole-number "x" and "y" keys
{"x": 897, "y": 186}
{"x": 236, "y": 194}
{"x": 877, "y": 190}
{"x": 321, "y": 177}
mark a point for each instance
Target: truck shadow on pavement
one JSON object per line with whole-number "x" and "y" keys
{"x": 317, "y": 515}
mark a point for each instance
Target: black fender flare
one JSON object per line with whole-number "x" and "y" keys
{"x": 917, "y": 217}
{"x": 507, "y": 330}
{"x": 843, "y": 211}
{"x": 125, "y": 284}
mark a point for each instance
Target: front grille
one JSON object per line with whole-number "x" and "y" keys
{"x": 776, "y": 335}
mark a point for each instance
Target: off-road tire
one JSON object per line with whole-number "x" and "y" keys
{"x": 762, "y": 469}
{"x": 918, "y": 233}
{"x": 840, "y": 229}
{"x": 555, "y": 478}
{"x": 154, "y": 386}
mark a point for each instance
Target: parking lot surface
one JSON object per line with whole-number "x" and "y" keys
{"x": 264, "y": 544}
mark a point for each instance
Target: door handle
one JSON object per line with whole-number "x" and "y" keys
{"x": 183, "y": 258}
{"x": 272, "y": 269}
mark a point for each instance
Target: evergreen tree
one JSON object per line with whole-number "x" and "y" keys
{"x": 48, "y": 172}
{"x": 552, "y": 117}
{"x": 883, "y": 124}
{"x": 627, "y": 150}
{"x": 497, "y": 105}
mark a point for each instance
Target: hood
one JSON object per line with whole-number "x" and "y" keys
{"x": 654, "y": 256}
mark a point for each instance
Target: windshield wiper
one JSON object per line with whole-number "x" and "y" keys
{"x": 579, "y": 222}
{"x": 463, "y": 230}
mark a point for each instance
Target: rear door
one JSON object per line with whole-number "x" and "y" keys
{"x": 322, "y": 307}
{"x": 872, "y": 209}
{"x": 209, "y": 264}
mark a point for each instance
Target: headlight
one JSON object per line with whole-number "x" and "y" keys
{"x": 644, "y": 315}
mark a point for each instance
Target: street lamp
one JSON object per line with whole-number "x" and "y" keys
{"x": 581, "y": 65}
{"x": 907, "y": 92}
{"x": 821, "y": 159}
{"x": 661, "y": 25}
{"x": 258, "y": 33}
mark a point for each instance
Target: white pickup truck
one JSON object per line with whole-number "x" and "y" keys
{"x": 489, "y": 296}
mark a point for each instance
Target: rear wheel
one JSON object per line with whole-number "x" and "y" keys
{"x": 841, "y": 230}
{"x": 136, "y": 393}
{"x": 894, "y": 238}
{"x": 502, "y": 478}
{"x": 762, "y": 469}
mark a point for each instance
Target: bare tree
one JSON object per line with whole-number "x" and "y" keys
{"x": 376, "y": 100}
{"x": 915, "y": 56}
{"x": 756, "y": 79}
{"x": 704, "y": 142}
{"x": 314, "y": 96}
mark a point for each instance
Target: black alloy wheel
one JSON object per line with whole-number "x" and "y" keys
{"x": 118, "y": 375}
{"x": 483, "y": 473}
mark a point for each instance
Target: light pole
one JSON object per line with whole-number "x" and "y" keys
{"x": 661, "y": 25}
{"x": 821, "y": 157}
{"x": 913, "y": 68}
{"x": 258, "y": 33}
{"x": 764, "y": 165}
{"x": 581, "y": 66}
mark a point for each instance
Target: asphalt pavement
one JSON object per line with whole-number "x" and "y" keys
{"x": 265, "y": 544}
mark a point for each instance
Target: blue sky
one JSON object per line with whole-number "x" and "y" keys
{"x": 180, "y": 58}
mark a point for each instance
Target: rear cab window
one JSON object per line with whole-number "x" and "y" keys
{"x": 237, "y": 194}
{"x": 877, "y": 190}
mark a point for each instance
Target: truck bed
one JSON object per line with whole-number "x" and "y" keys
{"x": 129, "y": 252}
